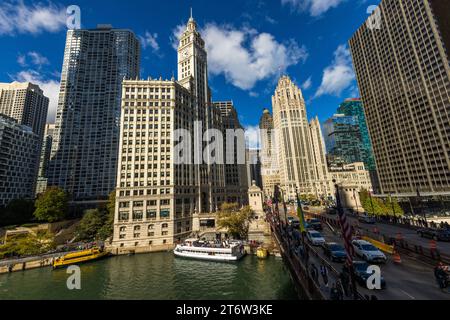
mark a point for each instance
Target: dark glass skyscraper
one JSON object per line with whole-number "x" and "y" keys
{"x": 86, "y": 139}
{"x": 343, "y": 138}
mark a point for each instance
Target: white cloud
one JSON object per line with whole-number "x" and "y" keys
{"x": 177, "y": 32}
{"x": 49, "y": 86}
{"x": 38, "y": 59}
{"x": 307, "y": 84}
{"x": 314, "y": 7}
{"x": 252, "y": 137}
{"x": 339, "y": 75}
{"x": 16, "y": 17}
{"x": 150, "y": 40}
{"x": 245, "y": 56}
{"x": 22, "y": 60}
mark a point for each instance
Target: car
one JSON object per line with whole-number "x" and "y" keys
{"x": 368, "y": 251}
{"x": 315, "y": 238}
{"x": 315, "y": 224}
{"x": 334, "y": 251}
{"x": 361, "y": 274}
{"x": 365, "y": 218}
{"x": 435, "y": 234}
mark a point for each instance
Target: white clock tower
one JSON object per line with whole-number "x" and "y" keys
{"x": 192, "y": 63}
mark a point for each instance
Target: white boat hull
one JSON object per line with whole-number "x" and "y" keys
{"x": 208, "y": 257}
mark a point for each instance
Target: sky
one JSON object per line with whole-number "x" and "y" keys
{"x": 250, "y": 43}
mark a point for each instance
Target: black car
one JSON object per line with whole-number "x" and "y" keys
{"x": 435, "y": 234}
{"x": 334, "y": 251}
{"x": 315, "y": 224}
{"x": 361, "y": 274}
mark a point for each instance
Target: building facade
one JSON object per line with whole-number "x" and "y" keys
{"x": 355, "y": 174}
{"x": 236, "y": 179}
{"x": 270, "y": 173}
{"x": 169, "y": 174}
{"x": 403, "y": 73}
{"x": 26, "y": 103}
{"x": 86, "y": 138}
{"x": 297, "y": 167}
{"x": 19, "y": 150}
{"x": 44, "y": 160}
{"x": 322, "y": 181}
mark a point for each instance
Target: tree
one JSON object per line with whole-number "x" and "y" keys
{"x": 52, "y": 205}
{"x": 106, "y": 231}
{"x": 372, "y": 205}
{"x": 235, "y": 220}
{"x": 90, "y": 224}
{"x": 18, "y": 211}
{"x": 392, "y": 202}
{"x": 27, "y": 245}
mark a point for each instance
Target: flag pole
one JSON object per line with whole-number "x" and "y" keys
{"x": 301, "y": 217}
{"x": 347, "y": 235}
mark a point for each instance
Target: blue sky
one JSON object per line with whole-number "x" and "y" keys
{"x": 249, "y": 44}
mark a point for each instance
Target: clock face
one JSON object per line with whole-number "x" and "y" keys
{"x": 185, "y": 53}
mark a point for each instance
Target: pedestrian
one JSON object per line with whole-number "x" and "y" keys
{"x": 315, "y": 273}
{"x": 324, "y": 273}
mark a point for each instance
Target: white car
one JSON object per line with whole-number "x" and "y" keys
{"x": 368, "y": 251}
{"x": 315, "y": 238}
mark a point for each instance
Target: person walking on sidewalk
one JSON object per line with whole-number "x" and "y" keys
{"x": 324, "y": 273}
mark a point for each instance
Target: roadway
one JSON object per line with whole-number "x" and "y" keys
{"x": 410, "y": 280}
{"x": 389, "y": 230}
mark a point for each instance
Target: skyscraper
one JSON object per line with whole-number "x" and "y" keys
{"x": 86, "y": 139}
{"x": 269, "y": 154}
{"x": 163, "y": 178}
{"x": 19, "y": 150}
{"x": 236, "y": 172}
{"x": 355, "y": 108}
{"x": 323, "y": 188}
{"x": 46, "y": 150}
{"x": 26, "y": 103}
{"x": 403, "y": 73}
{"x": 343, "y": 138}
{"x": 294, "y": 145}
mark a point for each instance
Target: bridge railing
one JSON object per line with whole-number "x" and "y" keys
{"x": 300, "y": 265}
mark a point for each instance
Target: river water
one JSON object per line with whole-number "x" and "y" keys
{"x": 156, "y": 276}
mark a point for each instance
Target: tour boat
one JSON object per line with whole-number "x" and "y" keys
{"x": 79, "y": 257}
{"x": 202, "y": 250}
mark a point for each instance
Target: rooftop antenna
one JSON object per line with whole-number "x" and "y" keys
{"x": 192, "y": 17}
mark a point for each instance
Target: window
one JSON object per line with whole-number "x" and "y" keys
{"x": 138, "y": 215}
{"x": 124, "y": 216}
{"x": 151, "y": 214}
{"x": 165, "y": 226}
{"x": 164, "y": 214}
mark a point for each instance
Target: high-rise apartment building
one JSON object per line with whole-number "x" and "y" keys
{"x": 26, "y": 103}
{"x": 234, "y": 152}
{"x": 46, "y": 150}
{"x": 19, "y": 150}
{"x": 296, "y": 161}
{"x": 86, "y": 139}
{"x": 403, "y": 72}
{"x": 167, "y": 174}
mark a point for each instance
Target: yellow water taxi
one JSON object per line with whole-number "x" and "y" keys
{"x": 262, "y": 253}
{"x": 79, "y": 257}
